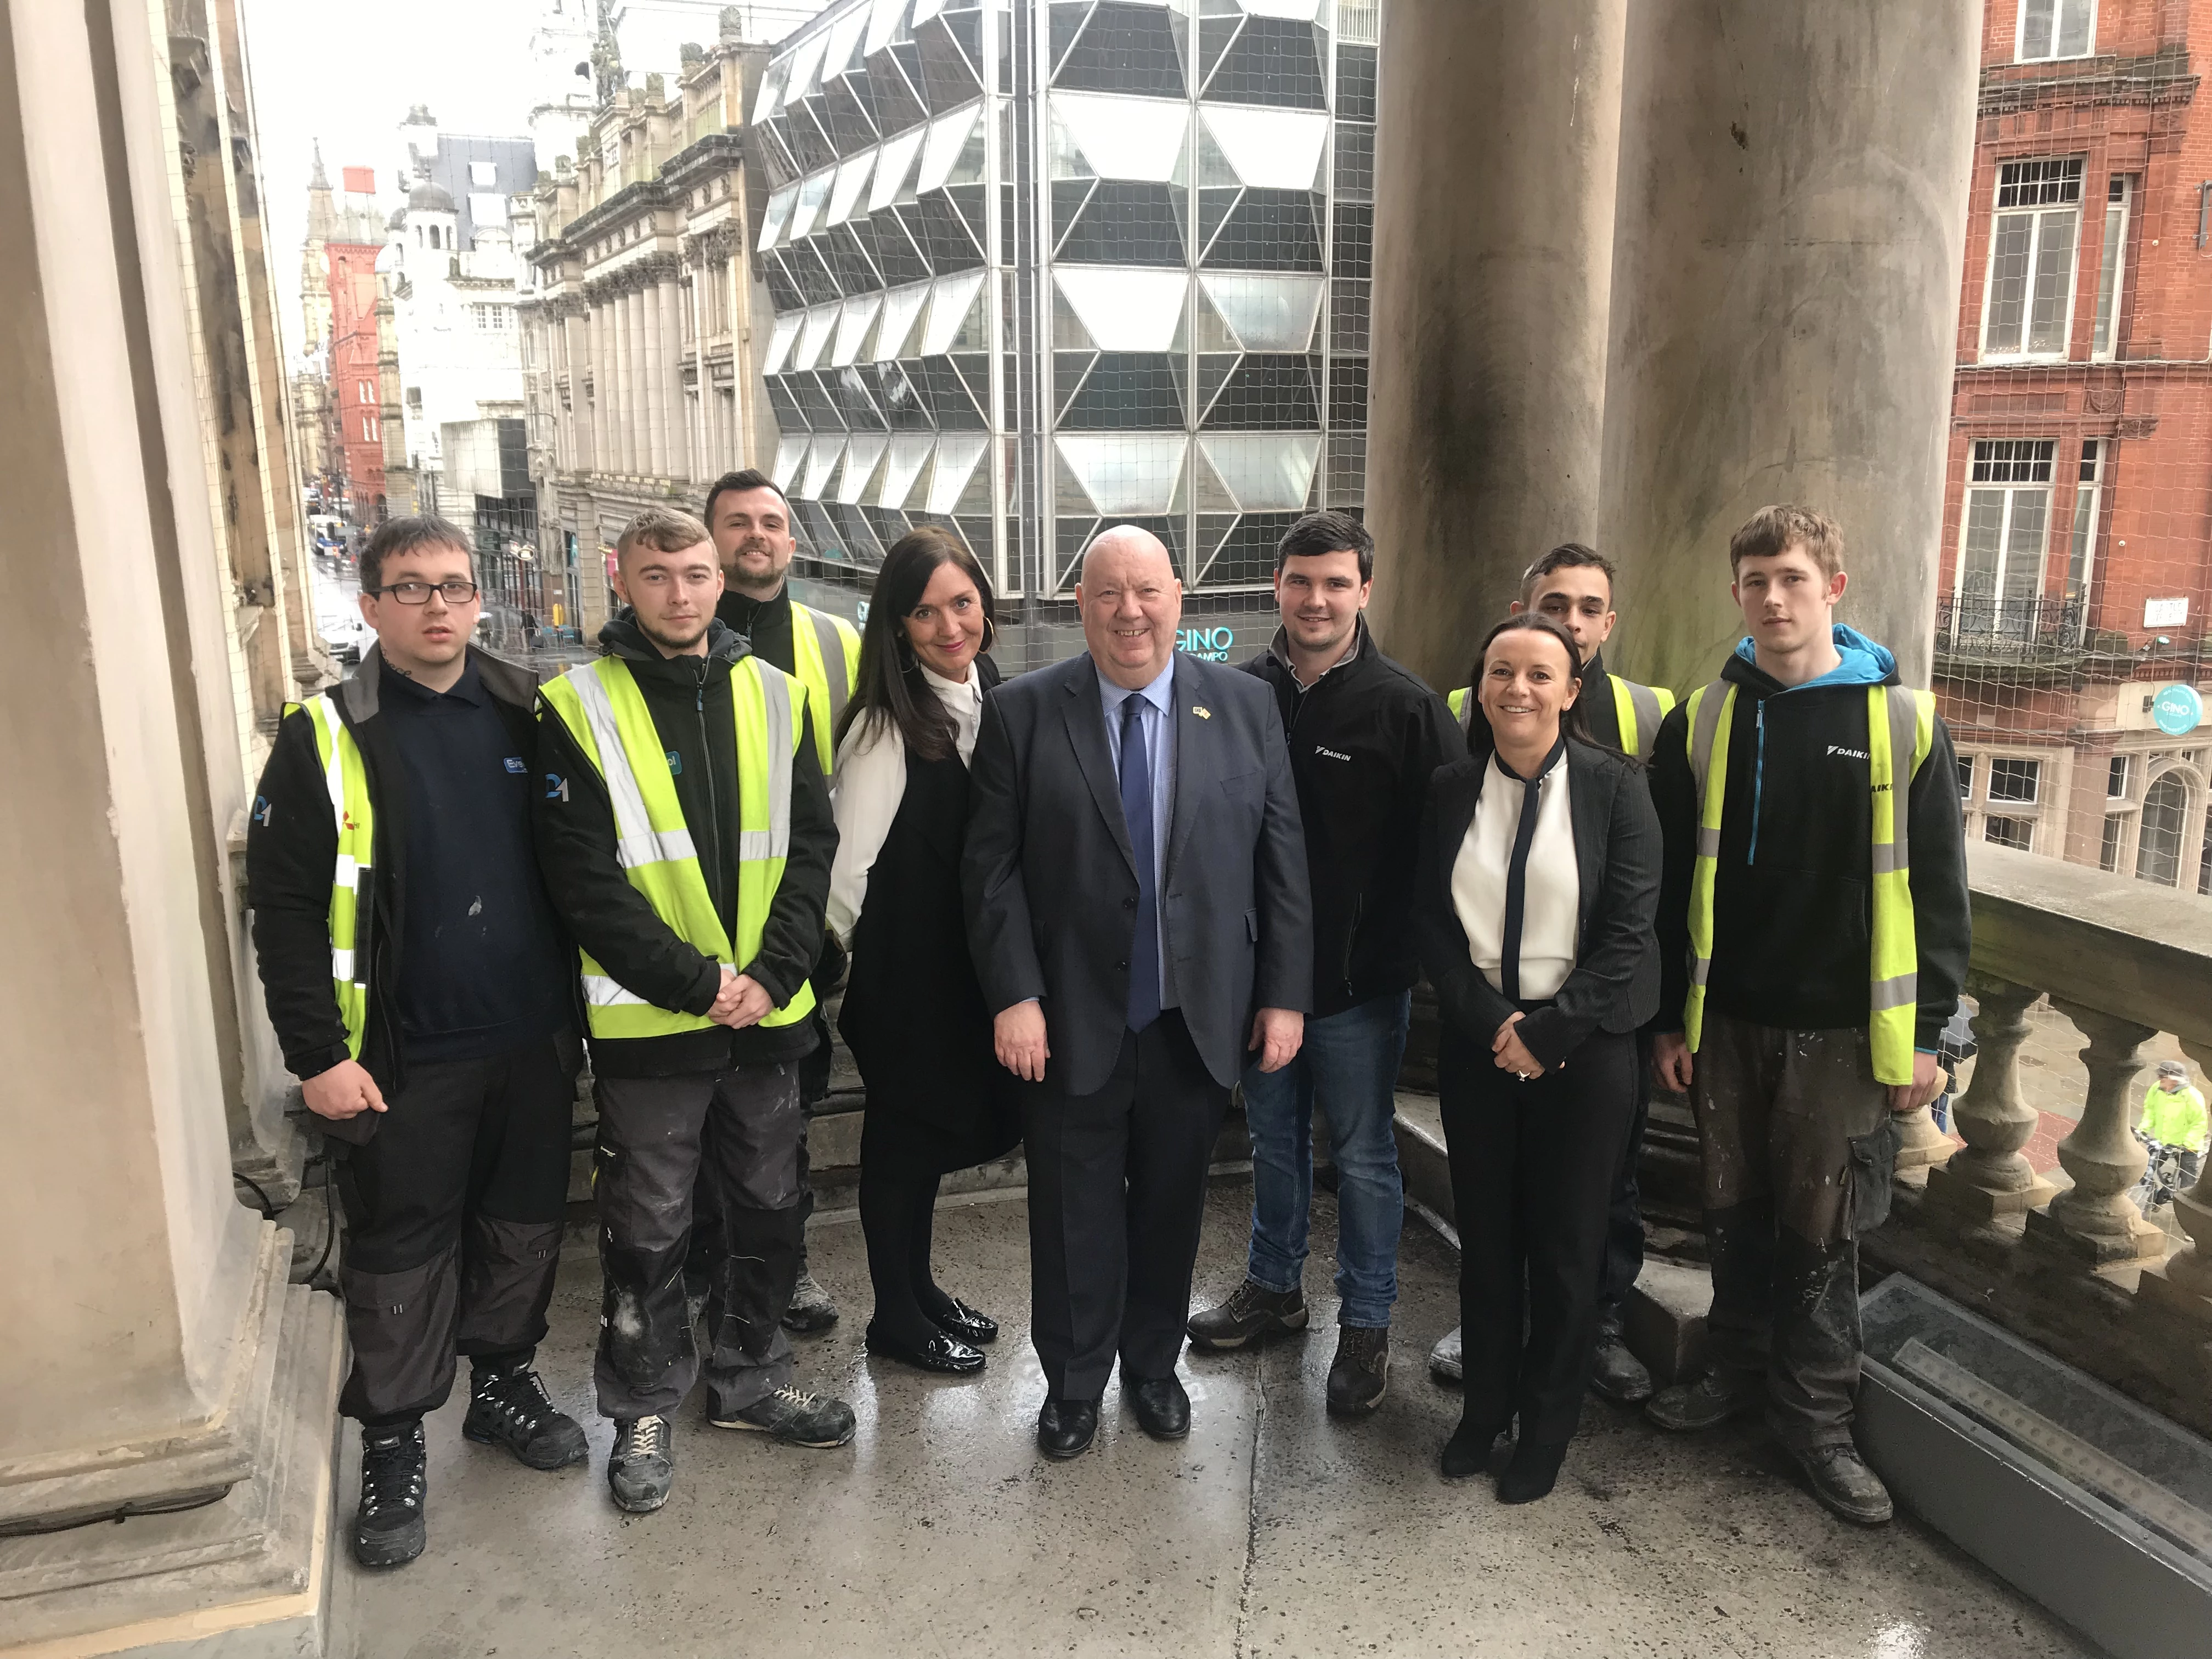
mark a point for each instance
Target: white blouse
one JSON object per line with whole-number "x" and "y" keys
{"x": 868, "y": 785}
{"x": 1551, "y": 907}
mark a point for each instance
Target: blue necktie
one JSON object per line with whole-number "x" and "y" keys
{"x": 1136, "y": 814}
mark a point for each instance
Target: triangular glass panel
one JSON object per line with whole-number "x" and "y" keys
{"x": 886, "y": 23}
{"x": 790, "y": 456}
{"x": 1068, "y": 333}
{"x": 1211, "y": 333}
{"x": 1067, "y": 18}
{"x": 1214, "y": 171}
{"x": 1124, "y": 475}
{"x": 1069, "y": 498}
{"x": 1214, "y": 34}
{"x": 958, "y": 457}
{"x": 1267, "y": 471}
{"x": 902, "y": 309}
{"x": 862, "y": 452}
{"x": 893, "y": 178}
{"x": 1068, "y": 370}
{"x": 1068, "y": 195}
{"x": 948, "y": 137}
{"x": 1065, "y": 159}
{"x": 1210, "y": 494}
{"x": 1213, "y": 207}
{"x": 1214, "y": 369}
{"x": 957, "y": 320}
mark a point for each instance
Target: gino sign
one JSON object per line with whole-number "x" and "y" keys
{"x": 1211, "y": 643}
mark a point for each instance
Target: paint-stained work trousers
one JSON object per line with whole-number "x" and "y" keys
{"x": 748, "y": 1122}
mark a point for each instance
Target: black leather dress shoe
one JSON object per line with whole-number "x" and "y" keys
{"x": 943, "y": 1354}
{"x": 964, "y": 1324}
{"x": 1066, "y": 1428}
{"x": 1163, "y": 1408}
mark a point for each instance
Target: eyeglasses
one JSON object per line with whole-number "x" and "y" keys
{"x": 456, "y": 591}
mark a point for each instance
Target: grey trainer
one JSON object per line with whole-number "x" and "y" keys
{"x": 1447, "y": 1363}
{"x": 794, "y": 1416}
{"x": 811, "y": 1310}
{"x": 642, "y": 1466}
{"x": 1252, "y": 1311}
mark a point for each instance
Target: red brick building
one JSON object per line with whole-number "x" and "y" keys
{"x": 2076, "y": 564}
{"x": 350, "y": 267}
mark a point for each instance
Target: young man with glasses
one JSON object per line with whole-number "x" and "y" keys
{"x": 425, "y": 996}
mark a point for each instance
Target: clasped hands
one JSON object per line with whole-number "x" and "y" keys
{"x": 1512, "y": 1054}
{"x": 741, "y": 1002}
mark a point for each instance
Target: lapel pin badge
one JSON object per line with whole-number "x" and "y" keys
{"x": 1203, "y": 713}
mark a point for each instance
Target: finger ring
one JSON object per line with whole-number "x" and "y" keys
{"x": 1524, "y": 1076}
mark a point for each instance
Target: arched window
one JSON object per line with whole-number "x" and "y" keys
{"x": 2158, "y": 848}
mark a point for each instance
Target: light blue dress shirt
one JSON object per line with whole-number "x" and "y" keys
{"x": 1158, "y": 716}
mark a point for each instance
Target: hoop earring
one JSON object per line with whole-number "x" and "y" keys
{"x": 990, "y": 634}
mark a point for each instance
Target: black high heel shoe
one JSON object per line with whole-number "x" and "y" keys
{"x": 964, "y": 1324}
{"x": 946, "y": 1356}
{"x": 1531, "y": 1474}
{"x": 1467, "y": 1452}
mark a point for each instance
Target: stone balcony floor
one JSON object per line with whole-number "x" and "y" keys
{"x": 1275, "y": 1529}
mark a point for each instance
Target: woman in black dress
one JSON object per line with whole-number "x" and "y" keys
{"x": 1535, "y": 882}
{"x": 914, "y": 1017}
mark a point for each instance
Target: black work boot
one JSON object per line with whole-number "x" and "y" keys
{"x": 1844, "y": 1485}
{"x": 1361, "y": 1370}
{"x": 1711, "y": 1401}
{"x": 510, "y": 1408}
{"x": 642, "y": 1468}
{"x": 1252, "y": 1311}
{"x": 388, "y": 1529}
{"x": 1614, "y": 1372}
{"x": 811, "y": 1310}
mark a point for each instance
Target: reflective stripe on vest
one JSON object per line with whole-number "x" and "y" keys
{"x": 1457, "y": 701}
{"x": 606, "y": 715}
{"x": 1899, "y": 720}
{"x": 827, "y": 657}
{"x": 346, "y": 778}
{"x": 1638, "y": 710}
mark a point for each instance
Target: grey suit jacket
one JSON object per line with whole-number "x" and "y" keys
{"x": 1051, "y": 883}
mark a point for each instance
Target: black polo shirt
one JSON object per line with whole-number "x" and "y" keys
{"x": 484, "y": 971}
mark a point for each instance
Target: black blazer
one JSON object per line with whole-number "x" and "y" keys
{"x": 1051, "y": 883}
{"x": 1614, "y": 986}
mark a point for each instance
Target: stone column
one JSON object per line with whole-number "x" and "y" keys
{"x": 682, "y": 438}
{"x": 1989, "y": 1176}
{"x": 575, "y": 341}
{"x": 156, "y": 1357}
{"x": 1494, "y": 179}
{"x": 623, "y": 408}
{"x": 602, "y": 349}
{"x": 655, "y": 358}
{"x": 1787, "y": 258}
{"x": 2096, "y": 1219}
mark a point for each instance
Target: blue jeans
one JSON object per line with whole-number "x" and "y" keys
{"x": 1349, "y": 1061}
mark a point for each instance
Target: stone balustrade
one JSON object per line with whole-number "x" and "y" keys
{"x": 2075, "y": 1268}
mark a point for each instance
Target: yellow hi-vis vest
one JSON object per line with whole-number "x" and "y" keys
{"x": 826, "y": 656}
{"x": 1899, "y": 720}
{"x": 347, "y": 780}
{"x": 1637, "y": 709}
{"x": 605, "y": 713}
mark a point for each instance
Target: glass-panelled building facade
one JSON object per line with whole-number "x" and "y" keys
{"x": 1039, "y": 266}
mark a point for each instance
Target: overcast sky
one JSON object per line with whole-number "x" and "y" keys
{"x": 348, "y": 77}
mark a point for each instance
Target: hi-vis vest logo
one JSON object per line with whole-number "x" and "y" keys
{"x": 263, "y": 809}
{"x": 347, "y": 824}
{"x": 556, "y": 786}
{"x": 1848, "y": 754}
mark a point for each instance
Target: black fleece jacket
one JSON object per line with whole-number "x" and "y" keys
{"x": 1365, "y": 740}
{"x": 689, "y": 700}
{"x": 1793, "y": 895}
{"x": 291, "y": 849}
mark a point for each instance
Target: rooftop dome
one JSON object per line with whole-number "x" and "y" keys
{"x": 431, "y": 198}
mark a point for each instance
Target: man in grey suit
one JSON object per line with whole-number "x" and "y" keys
{"x": 1135, "y": 878}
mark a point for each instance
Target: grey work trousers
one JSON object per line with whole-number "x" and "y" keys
{"x": 651, "y": 1130}
{"x": 1798, "y": 1150}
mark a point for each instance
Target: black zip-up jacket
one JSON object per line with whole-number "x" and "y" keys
{"x": 1365, "y": 739}
{"x": 1793, "y": 899}
{"x": 763, "y": 624}
{"x": 689, "y": 699}
{"x": 291, "y": 850}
